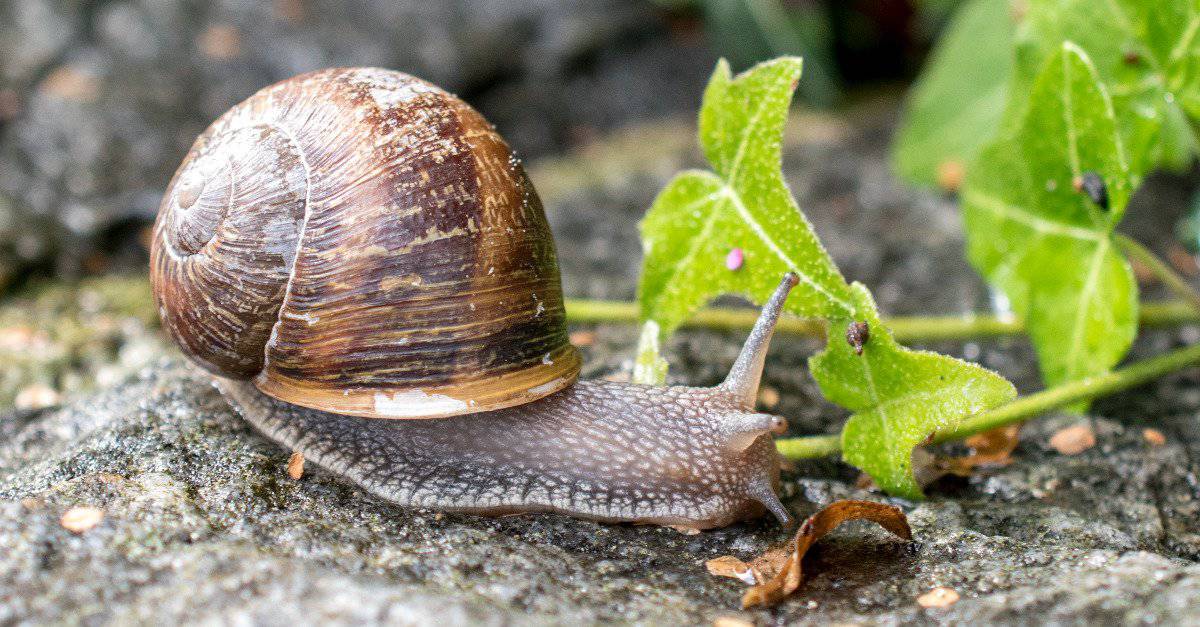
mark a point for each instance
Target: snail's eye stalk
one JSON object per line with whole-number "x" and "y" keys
{"x": 744, "y": 429}
{"x": 742, "y": 381}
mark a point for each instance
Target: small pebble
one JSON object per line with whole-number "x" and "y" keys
{"x": 768, "y": 397}
{"x": 583, "y": 338}
{"x": 68, "y": 83}
{"x": 295, "y": 465}
{"x": 1154, "y": 437}
{"x": 81, "y": 518}
{"x": 950, "y": 175}
{"x": 1073, "y": 440}
{"x": 734, "y": 259}
{"x": 220, "y": 41}
{"x": 731, "y": 621}
{"x": 36, "y": 396}
{"x": 938, "y": 597}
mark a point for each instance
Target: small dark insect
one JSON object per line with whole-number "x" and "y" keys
{"x": 1091, "y": 184}
{"x": 857, "y": 335}
{"x": 1131, "y": 57}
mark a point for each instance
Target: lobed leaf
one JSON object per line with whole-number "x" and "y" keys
{"x": 700, "y": 217}
{"x": 899, "y": 397}
{"x": 1146, "y": 53}
{"x": 956, "y": 104}
{"x": 1045, "y": 243}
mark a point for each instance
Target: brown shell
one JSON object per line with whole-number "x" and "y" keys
{"x": 362, "y": 242}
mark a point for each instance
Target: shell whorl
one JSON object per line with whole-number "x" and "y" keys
{"x": 362, "y": 242}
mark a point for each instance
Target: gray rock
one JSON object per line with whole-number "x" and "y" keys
{"x": 202, "y": 525}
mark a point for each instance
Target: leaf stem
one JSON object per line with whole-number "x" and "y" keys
{"x": 1025, "y": 407}
{"x": 905, "y": 329}
{"x": 1161, "y": 270}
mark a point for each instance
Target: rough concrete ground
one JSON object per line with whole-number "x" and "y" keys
{"x": 202, "y": 524}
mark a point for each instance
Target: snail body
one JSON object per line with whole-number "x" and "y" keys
{"x": 364, "y": 266}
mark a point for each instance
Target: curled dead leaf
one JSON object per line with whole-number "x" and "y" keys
{"x": 990, "y": 448}
{"x": 1073, "y": 440}
{"x": 730, "y": 566}
{"x": 777, "y": 572}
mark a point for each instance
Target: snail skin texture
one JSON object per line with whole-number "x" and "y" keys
{"x": 364, "y": 266}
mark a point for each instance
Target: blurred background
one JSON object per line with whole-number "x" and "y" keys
{"x": 99, "y": 100}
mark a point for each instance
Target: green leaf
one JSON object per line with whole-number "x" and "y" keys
{"x": 899, "y": 396}
{"x": 649, "y": 368}
{"x": 1046, "y": 245}
{"x": 700, "y": 217}
{"x": 1146, "y": 54}
{"x": 956, "y": 104}
{"x": 1172, "y": 33}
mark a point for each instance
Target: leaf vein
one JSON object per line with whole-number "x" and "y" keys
{"x": 1035, "y": 222}
{"x": 761, "y": 233}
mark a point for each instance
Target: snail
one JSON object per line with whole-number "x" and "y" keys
{"x": 363, "y": 265}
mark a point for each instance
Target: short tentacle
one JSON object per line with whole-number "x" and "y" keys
{"x": 746, "y": 428}
{"x": 762, "y": 491}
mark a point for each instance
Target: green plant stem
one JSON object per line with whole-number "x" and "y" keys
{"x": 905, "y": 329}
{"x": 1025, "y": 407}
{"x": 1161, "y": 270}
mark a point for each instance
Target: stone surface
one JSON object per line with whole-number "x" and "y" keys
{"x": 202, "y": 522}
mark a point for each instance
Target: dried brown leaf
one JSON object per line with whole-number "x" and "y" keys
{"x": 990, "y": 448}
{"x": 783, "y": 564}
{"x": 730, "y": 566}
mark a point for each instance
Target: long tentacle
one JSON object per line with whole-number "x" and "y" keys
{"x": 742, "y": 381}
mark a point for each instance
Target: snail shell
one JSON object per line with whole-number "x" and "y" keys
{"x": 361, "y": 242}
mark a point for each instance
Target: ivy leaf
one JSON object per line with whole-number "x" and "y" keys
{"x": 1048, "y": 246}
{"x": 742, "y": 208}
{"x": 900, "y": 396}
{"x": 743, "y": 205}
{"x": 1172, "y": 34}
{"x": 956, "y": 104}
{"x": 1146, "y": 53}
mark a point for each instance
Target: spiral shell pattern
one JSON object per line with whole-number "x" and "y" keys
{"x": 362, "y": 242}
